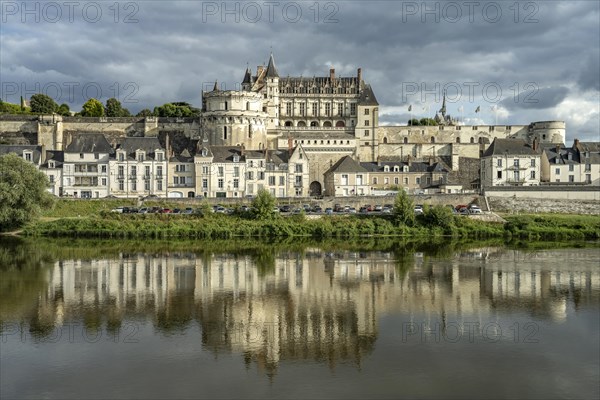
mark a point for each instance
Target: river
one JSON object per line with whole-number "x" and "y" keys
{"x": 217, "y": 320}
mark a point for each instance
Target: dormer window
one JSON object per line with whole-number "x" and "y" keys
{"x": 159, "y": 156}
{"x": 51, "y": 164}
{"x": 236, "y": 158}
{"x": 396, "y": 168}
{"x": 204, "y": 152}
{"x": 386, "y": 169}
{"x": 121, "y": 156}
{"x": 405, "y": 168}
{"x": 140, "y": 156}
{"x": 27, "y": 156}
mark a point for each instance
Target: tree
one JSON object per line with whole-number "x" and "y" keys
{"x": 64, "y": 110}
{"x": 263, "y": 204}
{"x": 22, "y": 192}
{"x": 114, "y": 109}
{"x": 439, "y": 216}
{"x": 177, "y": 109}
{"x": 144, "y": 113}
{"x": 92, "y": 108}
{"x": 404, "y": 209}
{"x": 422, "y": 122}
{"x": 42, "y": 104}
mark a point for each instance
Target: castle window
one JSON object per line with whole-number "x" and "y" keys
{"x": 472, "y": 140}
{"x": 288, "y": 108}
{"x": 458, "y": 140}
{"x": 366, "y": 132}
{"x": 385, "y": 140}
{"x": 315, "y": 109}
{"x": 328, "y": 109}
{"x": 366, "y": 111}
{"x": 432, "y": 139}
{"x": 340, "y": 108}
{"x": 366, "y": 122}
{"x": 247, "y": 106}
{"x": 224, "y": 133}
{"x": 405, "y": 140}
{"x": 226, "y": 106}
{"x": 353, "y": 109}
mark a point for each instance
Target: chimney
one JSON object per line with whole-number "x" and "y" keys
{"x": 331, "y": 74}
{"x": 408, "y": 160}
{"x": 290, "y": 146}
{"x": 430, "y": 161}
{"x": 576, "y": 144}
{"x": 43, "y": 154}
{"x": 359, "y": 77}
{"x": 242, "y": 150}
{"x": 535, "y": 144}
{"x": 378, "y": 161}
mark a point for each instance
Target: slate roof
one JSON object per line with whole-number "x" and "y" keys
{"x": 54, "y": 155}
{"x": 146, "y": 144}
{"x": 18, "y": 150}
{"x": 89, "y": 143}
{"x": 346, "y": 164}
{"x": 510, "y": 147}
{"x": 413, "y": 167}
{"x": 367, "y": 97}
{"x": 271, "y": 70}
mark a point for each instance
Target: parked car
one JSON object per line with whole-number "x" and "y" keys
{"x": 188, "y": 210}
{"x": 418, "y": 209}
{"x": 285, "y": 208}
{"x": 329, "y": 211}
{"x": 118, "y": 210}
{"x": 363, "y": 210}
{"x": 463, "y": 211}
{"x": 473, "y": 209}
{"x": 317, "y": 209}
{"x": 386, "y": 210}
{"x": 176, "y": 211}
{"x": 378, "y": 207}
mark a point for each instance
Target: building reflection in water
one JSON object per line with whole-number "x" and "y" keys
{"x": 315, "y": 305}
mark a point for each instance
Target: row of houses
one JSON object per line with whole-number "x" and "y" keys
{"x": 513, "y": 162}
{"x": 90, "y": 167}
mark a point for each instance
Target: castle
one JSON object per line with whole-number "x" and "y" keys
{"x": 330, "y": 117}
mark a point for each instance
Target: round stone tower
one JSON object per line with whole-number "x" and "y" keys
{"x": 234, "y": 118}
{"x": 548, "y": 132}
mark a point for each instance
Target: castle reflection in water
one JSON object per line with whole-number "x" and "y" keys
{"x": 314, "y": 305}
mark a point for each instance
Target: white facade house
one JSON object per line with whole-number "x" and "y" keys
{"x": 510, "y": 162}
{"x": 347, "y": 178}
{"x": 86, "y": 166}
{"x": 579, "y": 164}
{"x": 138, "y": 168}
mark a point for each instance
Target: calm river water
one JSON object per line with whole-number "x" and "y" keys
{"x": 226, "y": 320}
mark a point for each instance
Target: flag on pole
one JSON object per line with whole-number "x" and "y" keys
{"x": 478, "y": 109}
{"x": 410, "y": 107}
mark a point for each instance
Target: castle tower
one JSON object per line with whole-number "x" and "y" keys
{"x": 271, "y": 80}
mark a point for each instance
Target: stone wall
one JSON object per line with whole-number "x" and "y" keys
{"x": 521, "y": 205}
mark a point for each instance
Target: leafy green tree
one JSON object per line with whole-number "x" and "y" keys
{"x": 144, "y": 113}
{"x": 263, "y": 205}
{"x": 42, "y": 104}
{"x": 177, "y": 109}
{"x": 427, "y": 122}
{"x": 404, "y": 209}
{"x": 22, "y": 192}
{"x": 64, "y": 110}
{"x": 92, "y": 108}
{"x": 439, "y": 216}
{"x": 114, "y": 109}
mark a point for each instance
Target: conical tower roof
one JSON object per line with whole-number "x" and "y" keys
{"x": 271, "y": 70}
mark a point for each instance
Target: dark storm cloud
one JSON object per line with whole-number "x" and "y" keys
{"x": 170, "y": 50}
{"x": 536, "y": 98}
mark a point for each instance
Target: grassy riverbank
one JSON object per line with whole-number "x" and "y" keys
{"x": 218, "y": 226}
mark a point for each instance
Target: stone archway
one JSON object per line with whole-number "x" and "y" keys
{"x": 315, "y": 188}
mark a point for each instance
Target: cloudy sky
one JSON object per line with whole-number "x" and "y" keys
{"x": 518, "y": 61}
